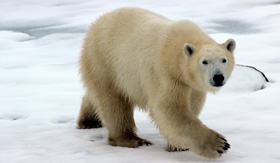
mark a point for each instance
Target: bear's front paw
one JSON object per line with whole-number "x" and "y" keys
{"x": 172, "y": 148}
{"x": 129, "y": 142}
{"x": 214, "y": 145}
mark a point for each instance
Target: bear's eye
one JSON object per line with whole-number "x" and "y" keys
{"x": 204, "y": 62}
{"x": 224, "y": 60}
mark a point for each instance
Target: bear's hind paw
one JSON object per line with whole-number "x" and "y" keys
{"x": 89, "y": 123}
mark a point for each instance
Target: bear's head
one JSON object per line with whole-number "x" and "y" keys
{"x": 208, "y": 66}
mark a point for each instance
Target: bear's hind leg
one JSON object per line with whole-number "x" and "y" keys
{"x": 88, "y": 117}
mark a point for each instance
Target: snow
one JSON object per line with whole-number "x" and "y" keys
{"x": 41, "y": 91}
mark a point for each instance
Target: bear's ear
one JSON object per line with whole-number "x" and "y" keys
{"x": 230, "y": 45}
{"x": 188, "y": 49}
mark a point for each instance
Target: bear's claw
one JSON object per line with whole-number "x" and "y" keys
{"x": 224, "y": 139}
{"x": 145, "y": 142}
{"x": 172, "y": 148}
{"x": 132, "y": 142}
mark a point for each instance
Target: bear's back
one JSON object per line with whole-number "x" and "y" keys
{"x": 124, "y": 47}
{"x": 124, "y": 44}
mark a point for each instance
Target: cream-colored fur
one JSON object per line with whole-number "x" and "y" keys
{"x": 133, "y": 57}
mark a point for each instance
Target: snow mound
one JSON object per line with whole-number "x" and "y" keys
{"x": 245, "y": 79}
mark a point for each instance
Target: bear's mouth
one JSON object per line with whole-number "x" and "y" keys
{"x": 218, "y": 85}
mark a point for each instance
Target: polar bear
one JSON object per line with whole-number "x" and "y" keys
{"x": 134, "y": 57}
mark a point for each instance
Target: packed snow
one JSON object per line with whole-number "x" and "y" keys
{"x": 41, "y": 91}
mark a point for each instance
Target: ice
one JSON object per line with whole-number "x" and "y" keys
{"x": 41, "y": 91}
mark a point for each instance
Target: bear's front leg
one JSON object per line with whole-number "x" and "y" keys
{"x": 178, "y": 124}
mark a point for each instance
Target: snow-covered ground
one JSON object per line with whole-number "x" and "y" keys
{"x": 40, "y": 91}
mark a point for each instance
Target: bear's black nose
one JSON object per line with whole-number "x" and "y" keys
{"x": 218, "y": 80}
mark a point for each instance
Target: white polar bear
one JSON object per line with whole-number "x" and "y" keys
{"x": 134, "y": 57}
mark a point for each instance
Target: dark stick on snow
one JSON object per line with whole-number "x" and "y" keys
{"x": 256, "y": 70}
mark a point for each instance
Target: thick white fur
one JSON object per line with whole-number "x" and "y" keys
{"x": 132, "y": 57}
